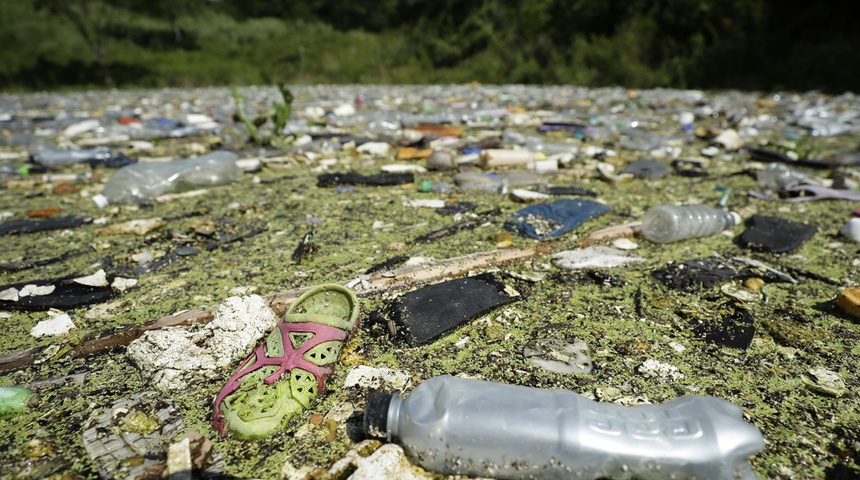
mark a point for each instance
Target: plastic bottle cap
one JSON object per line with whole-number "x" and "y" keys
{"x": 376, "y": 415}
{"x": 736, "y": 218}
{"x": 100, "y": 200}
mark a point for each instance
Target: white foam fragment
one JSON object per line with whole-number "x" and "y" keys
{"x": 55, "y": 326}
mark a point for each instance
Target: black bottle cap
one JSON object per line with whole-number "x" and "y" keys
{"x": 376, "y": 415}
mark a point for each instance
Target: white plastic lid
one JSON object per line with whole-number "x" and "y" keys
{"x": 736, "y": 218}
{"x": 100, "y": 200}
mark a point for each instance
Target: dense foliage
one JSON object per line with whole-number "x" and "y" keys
{"x": 751, "y": 44}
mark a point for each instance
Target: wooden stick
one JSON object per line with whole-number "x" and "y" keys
{"x": 279, "y": 302}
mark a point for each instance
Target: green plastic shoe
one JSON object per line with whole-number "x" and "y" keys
{"x": 259, "y": 399}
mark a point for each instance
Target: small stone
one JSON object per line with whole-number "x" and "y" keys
{"x": 187, "y": 251}
{"x": 122, "y": 284}
{"x": 824, "y": 381}
{"x": 136, "y": 227}
{"x": 754, "y": 283}
{"x": 625, "y": 244}
{"x": 441, "y": 160}
{"x": 851, "y": 229}
{"x": 849, "y": 301}
{"x": 501, "y": 239}
{"x": 729, "y": 140}
{"x": 179, "y": 460}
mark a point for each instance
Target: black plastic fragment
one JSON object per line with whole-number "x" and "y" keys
{"x": 704, "y": 273}
{"x": 387, "y": 265}
{"x": 377, "y": 180}
{"x": 735, "y": 330}
{"x": 774, "y": 234}
{"x": 424, "y": 315}
{"x": 689, "y": 168}
{"x": 455, "y": 208}
{"x": 649, "y": 169}
{"x": 67, "y": 294}
{"x": 31, "y": 226}
{"x": 577, "y": 191}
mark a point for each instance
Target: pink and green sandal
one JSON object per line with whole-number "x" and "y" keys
{"x": 259, "y": 399}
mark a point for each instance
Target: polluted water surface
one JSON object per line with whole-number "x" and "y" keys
{"x": 131, "y": 219}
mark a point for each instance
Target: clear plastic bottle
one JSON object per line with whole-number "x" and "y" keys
{"x": 672, "y": 223}
{"x": 142, "y": 182}
{"x": 60, "y": 158}
{"x": 776, "y": 176}
{"x": 469, "y": 427}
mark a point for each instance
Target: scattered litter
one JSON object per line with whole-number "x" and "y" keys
{"x": 13, "y": 400}
{"x": 851, "y": 229}
{"x": 378, "y": 180}
{"x": 549, "y": 220}
{"x": 774, "y": 234}
{"x": 647, "y": 169}
{"x": 593, "y": 257}
{"x": 734, "y": 330}
{"x": 31, "y": 226}
{"x": 824, "y": 381}
{"x": 421, "y": 316}
{"x": 449, "y": 413}
{"x": 136, "y": 227}
{"x": 364, "y": 376}
{"x": 559, "y": 356}
{"x": 654, "y": 369}
{"x": 705, "y": 273}
{"x": 58, "y": 325}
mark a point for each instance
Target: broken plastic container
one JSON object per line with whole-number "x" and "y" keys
{"x": 143, "y": 182}
{"x": 470, "y": 427}
{"x": 671, "y": 223}
{"x": 776, "y": 176}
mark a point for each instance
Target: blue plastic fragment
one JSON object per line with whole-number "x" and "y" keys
{"x": 469, "y": 150}
{"x": 550, "y": 220}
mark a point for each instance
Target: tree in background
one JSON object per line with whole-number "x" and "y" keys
{"x": 92, "y": 19}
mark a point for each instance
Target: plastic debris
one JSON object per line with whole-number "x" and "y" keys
{"x": 421, "y": 316}
{"x": 648, "y": 169}
{"x": 14, "y": 400}
{"x": 669, "y": 223}
{"x": 549, "y": 220}
{"x": 448, "y": 425}
{"x": 32, "y": 226}
{"x": 593, "y": 257}
{"x": 143, "y": 182}
{"x": 774, "y": 234}
{"x": 378, "y": 180}
{"x": 559, "y": 356}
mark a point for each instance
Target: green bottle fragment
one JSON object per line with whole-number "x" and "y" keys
{"x": 13, "y": 400}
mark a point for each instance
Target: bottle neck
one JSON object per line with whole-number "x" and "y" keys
{"x": 393, "y": 422}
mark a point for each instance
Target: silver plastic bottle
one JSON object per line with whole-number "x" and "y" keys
{"x": 671, "y": 223}
{"x": 451, "y": 425}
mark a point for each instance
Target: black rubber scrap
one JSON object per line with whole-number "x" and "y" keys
{"x": 735, "y": 330}
{"x": 377, "y": 180}
{"x": 424, "y": 315}
{"x": 30, "y": 225}
{"x": 774, "y": 234}
{"x": 705, "y": 273}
